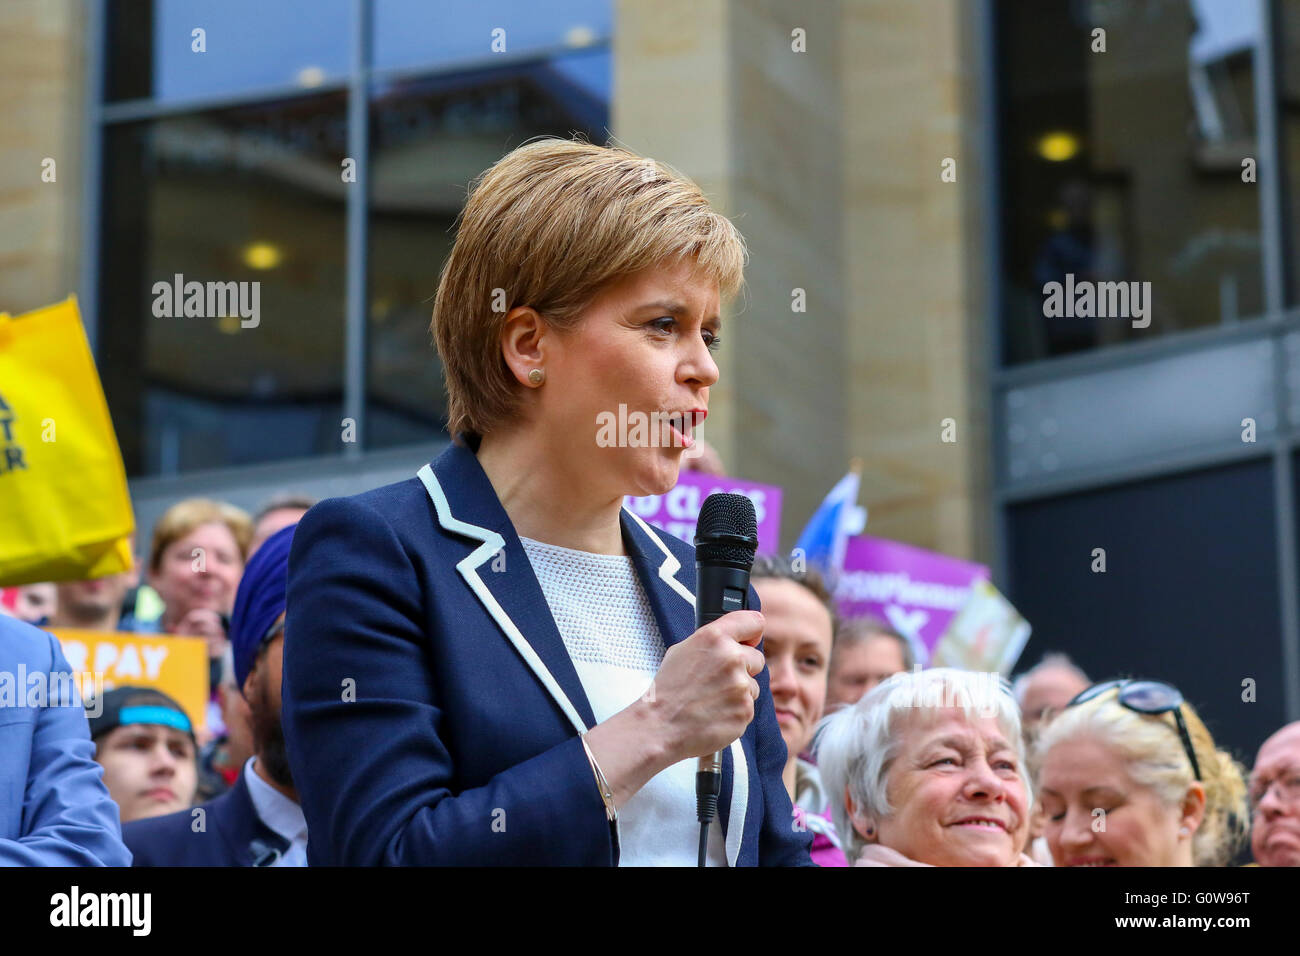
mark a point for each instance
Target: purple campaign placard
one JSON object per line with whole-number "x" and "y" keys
{"x": 679, "y": 510}
{"x": 915, "y": 590}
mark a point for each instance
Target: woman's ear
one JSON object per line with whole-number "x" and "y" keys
{"x": 865, "y": 826}
{"x": 1192, "y": 811}
{"x": 522, "y": 345}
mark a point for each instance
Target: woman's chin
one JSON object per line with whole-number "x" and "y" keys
{"x": 657, "y": 477}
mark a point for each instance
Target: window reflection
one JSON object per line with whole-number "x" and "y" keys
{"x": 153, "y": 50}
{"x": 429, "y": 138}
{"x": 1125, "y": 165}
{"x": 252, "y": 194}
{"x": 431, "y": 33}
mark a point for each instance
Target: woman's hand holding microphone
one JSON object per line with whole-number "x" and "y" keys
{"x": 701, "y": 700}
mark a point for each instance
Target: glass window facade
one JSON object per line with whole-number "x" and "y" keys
{"x": 1153, "y": 145}
{"x": 154, "y": 51}
{"x": 1125, "y": 127}
{"x": 226, "y": 168}
{"x": 249, "y": 196}
{"x": 459, "y": 126}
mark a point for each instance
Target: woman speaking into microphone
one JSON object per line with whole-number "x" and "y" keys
{"x": 494, "y": 662}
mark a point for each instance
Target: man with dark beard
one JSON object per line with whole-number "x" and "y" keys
{"x": 258, "y": 821}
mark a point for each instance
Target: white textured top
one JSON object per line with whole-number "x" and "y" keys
{"x": 609, "y": 630}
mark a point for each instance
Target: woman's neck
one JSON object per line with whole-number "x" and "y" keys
{"x": 545, "y": 498}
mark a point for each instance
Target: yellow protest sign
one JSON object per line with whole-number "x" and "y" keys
{"x": 64, "y": 505}
{"x": 177, "y": 666}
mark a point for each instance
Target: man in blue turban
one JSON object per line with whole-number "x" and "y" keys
{"x": 258, "y": 821}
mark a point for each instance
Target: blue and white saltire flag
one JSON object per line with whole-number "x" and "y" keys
{"x": 826, "y": 536}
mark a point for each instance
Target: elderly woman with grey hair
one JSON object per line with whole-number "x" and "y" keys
{"x": 927, "y": 769}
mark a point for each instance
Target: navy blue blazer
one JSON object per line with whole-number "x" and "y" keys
{"x": 232, "y": 835}
{"x": 431, "y": 711}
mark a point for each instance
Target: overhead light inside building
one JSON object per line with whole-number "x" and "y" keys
{"x": 262, "y": 255}
{"x": 1058, "y": 146}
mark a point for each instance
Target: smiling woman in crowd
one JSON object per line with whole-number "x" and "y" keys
{"x": 1129, "y": 776}
{"x": 798, "y": 636}
{"x": 927, "y": 769}
{"x": 494, "y": 661}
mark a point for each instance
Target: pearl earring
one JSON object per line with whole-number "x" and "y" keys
{"x": 1184, "y": 831}
{"x": 537, "y": 376}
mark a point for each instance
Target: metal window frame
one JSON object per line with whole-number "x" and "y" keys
{"x": 362, "y": 77}
{"x": 1276, "y": 321}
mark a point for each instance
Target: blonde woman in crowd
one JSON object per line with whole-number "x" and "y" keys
{"x": 1131, "y": 777}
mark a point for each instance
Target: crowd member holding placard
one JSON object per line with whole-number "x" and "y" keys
{"x": 54, "y": 807}
{"x": 1275, "y": 799}
{"x": 195, "y": 562}
{"x": 798, "y": 633}
{"x": 145, "y": 743}
{"x": 1136, "y": 754}
{"x": 257, "y": 822}
{"x": 928, "y": 770}
{"x": 495, "y": 662}
{"x": 867, "y": 651}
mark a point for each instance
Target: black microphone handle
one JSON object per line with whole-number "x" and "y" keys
{"x": 719, "y": 589}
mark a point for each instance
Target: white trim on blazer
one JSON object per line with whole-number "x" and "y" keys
{"x": 740, "y": 766}
{"x": 492, "y": 543}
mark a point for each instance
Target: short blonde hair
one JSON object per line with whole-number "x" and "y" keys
{"x": 184, "y": 516}
{"x": 549, "y": 225}
{"x": 1156, "y": 759}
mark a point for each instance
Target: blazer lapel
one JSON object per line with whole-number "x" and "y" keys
{"x": 669, "y": 586}
{"x": 500, "y": 575}
{"x": 671, "y": 589}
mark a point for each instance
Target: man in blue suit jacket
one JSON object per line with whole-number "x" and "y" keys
{"x": 431, "y": 710}
{"x": 54, "y": 807}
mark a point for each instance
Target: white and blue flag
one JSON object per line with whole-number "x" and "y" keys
{"x": 825, "y": 538}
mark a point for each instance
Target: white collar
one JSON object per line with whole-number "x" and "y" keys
{"x": 276, "y": 810}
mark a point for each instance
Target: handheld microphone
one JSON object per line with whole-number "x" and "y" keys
{"x": 726, "y": 538}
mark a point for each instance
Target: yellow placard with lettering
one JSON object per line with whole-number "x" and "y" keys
{"x": 65, "y": 509}
{"x": 177, "y": 666}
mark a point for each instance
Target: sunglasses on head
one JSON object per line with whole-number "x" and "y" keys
{"x": 1150, "y": 697}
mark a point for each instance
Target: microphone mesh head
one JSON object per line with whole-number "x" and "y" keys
{"x": 724, "y": 518}
{"x": 727, "y": 514}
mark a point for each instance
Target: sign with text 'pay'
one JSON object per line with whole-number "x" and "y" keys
{"x": 177, "y": 666}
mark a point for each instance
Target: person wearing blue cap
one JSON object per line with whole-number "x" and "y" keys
{"x": 257, "y": 822}
{"x": 54, "y": 807}
{"x": 145, "y": 743}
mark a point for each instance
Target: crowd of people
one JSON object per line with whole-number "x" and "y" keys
{"x": 886, "y": 763}
{"x": 495, "y": 661}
